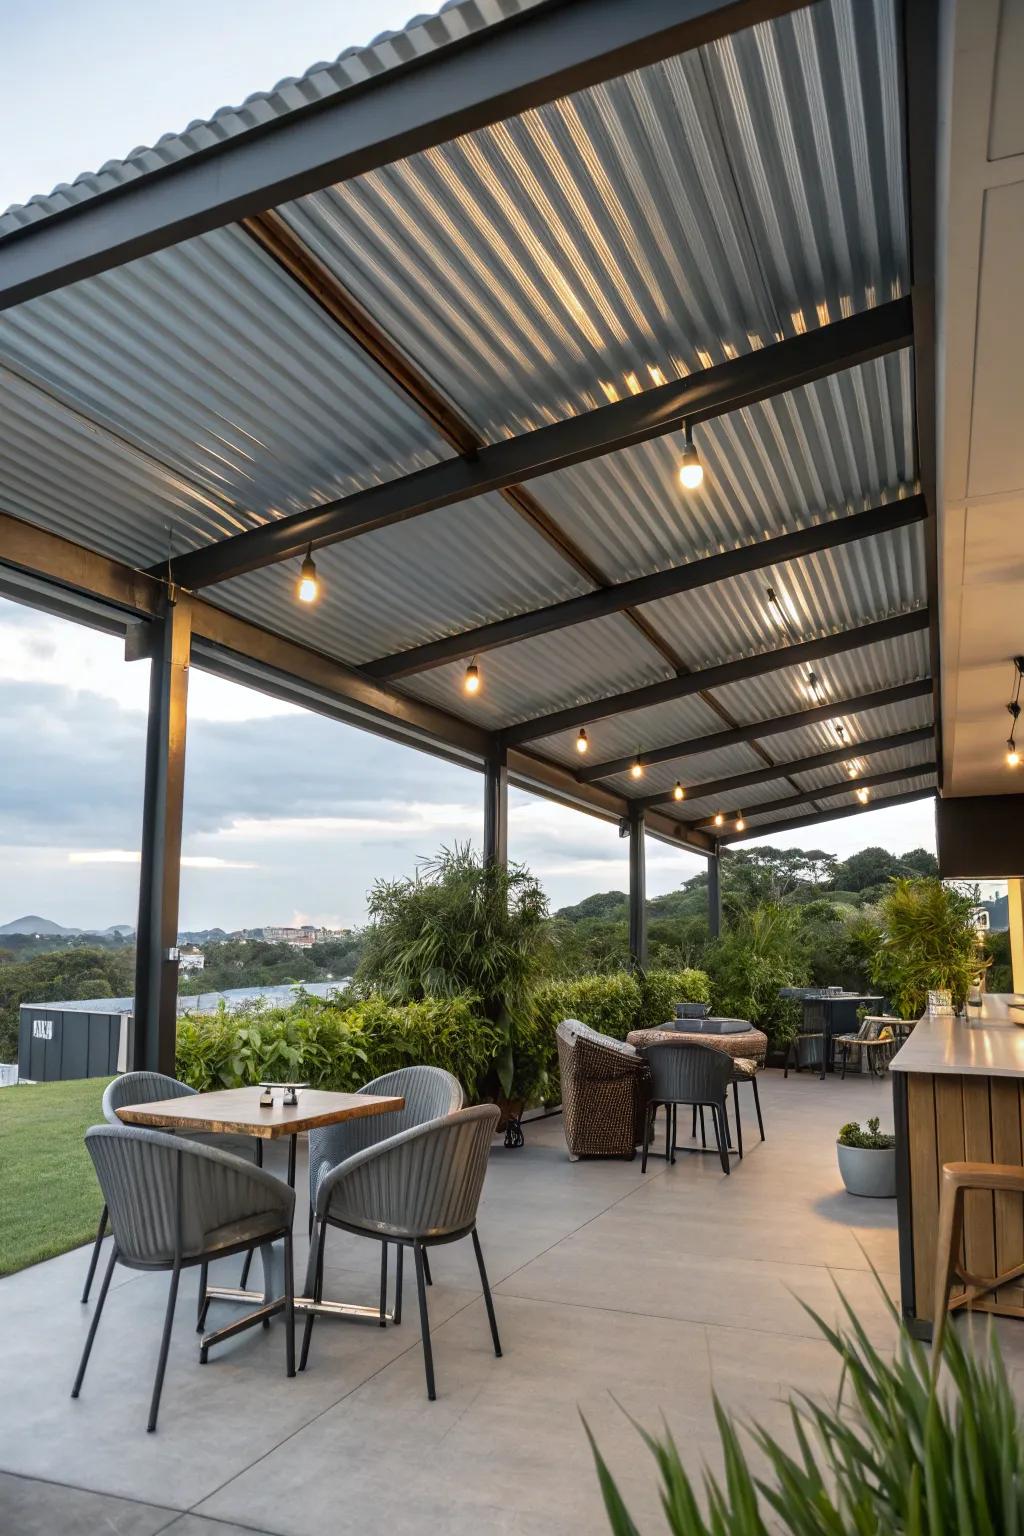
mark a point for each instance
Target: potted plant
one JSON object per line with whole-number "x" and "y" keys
{"x": 867, "y": 1160}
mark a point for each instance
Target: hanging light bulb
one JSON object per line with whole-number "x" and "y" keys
{"x": 308, "y": 589}
{"x": 863, "y": 795}
{"x": 582, "y": 742}
{"x": 637, "y": 770}
{"x": 691, "y": 471}
{"x": 471, "y": 681}
{"x": 1012, "y": 755}
{"x": 679, "y": 793}
{"x": 851, "y": 769}
{"x": 741, "y": 825}
{"x": 719, "y": 819}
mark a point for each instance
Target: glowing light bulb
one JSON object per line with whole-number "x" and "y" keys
{"x": 308, "y": 589}
{"x": 582, "y": 743}
{"x": 851, "y": 769}
{"x": 1012, "y": 755}
{"x": 471, "y": 681}
{"x": 863, "y": 795}
{"x": 719, "y": 819}
{"x": 679, "y": 793}
{"x": 740, "y": 823}
{"x": 637, "y": 770}
{"x": 691, "y": 471}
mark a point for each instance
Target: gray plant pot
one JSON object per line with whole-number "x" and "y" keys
{"x": 868, "y": 1170}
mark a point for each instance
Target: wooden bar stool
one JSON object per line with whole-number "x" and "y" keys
{"x": 957, "y": 1180}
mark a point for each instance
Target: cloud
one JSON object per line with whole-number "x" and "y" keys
{"x": 127, "y": 856}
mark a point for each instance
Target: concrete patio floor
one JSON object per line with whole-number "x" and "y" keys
{"x": 655, "y": 1289}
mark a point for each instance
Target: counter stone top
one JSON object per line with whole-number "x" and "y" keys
{"x": 993, "y": 1047}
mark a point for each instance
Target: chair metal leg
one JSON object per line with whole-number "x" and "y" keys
{"x": 94, "y": 1256}
{"x": 289, "y": 1305}
{"x": 721, "y": 1135}
{"x": 426, "y": 1268}
{"x": 165, "y": 1344}
{"x": 693, "y": 1128}
{"x": 648, "y": 1123}
{"x": 396, "y": 1316}
{"x": 201, "y": 1301}
{"x": 383, "y": 1284}
{"x": 312, "y": 1218}
{"x": 318, "y": 1291}
{"x": 739, "y": 1127}
{"x": 421, "y": 1291}
{"x": 723, "y": 1110}
{"x": 757, "y": 1107}
{"x": 673, "y": 1111}
{"x": 246, "y": 1262}
{"x": 668, "y": 1133}
{"x": 87, "y": 1351}
{"x": 703, "y": 1131}
{"x": 488, "y": 1303}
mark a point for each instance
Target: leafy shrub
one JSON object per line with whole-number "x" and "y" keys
{"x": 759, "y": 952}
{"x": 608, "y": 1003}
{"x": 661, "y": 990}
{"x": 872, "y": 1139}
{"x": 927, "y": 941}
{"x": 335, "y": 1045}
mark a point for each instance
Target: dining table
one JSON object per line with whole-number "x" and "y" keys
{"x": 242, "y": 1112}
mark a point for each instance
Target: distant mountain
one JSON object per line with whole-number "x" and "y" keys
{"x": 39, "y": 925}
{"x": 203, "y": 936}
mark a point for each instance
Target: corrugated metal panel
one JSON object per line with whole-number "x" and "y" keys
{"x": 619, "y": 735}
{"x": 549, "y": 672}
{"x": 210, "y": 359}
{"x": 402, "y": 586}
{"x": 874, "y": 723}
{"x": 422, "y": 35}
{"x": 882, "y": 665}
{"x": 641, "y": 229}
{"x": 842, "y": 444}
{"x": 879, "y": 797}
{"x": 878, "y": 762}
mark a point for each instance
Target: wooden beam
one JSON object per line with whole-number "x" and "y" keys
{"x": 649, "y": 589}
{"x": 729, "y": 386}
{"x": 715, "y": 677}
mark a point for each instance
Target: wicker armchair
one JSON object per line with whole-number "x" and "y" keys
{"x": 605, "y": 1088}
{"x": 875, "y": 1041}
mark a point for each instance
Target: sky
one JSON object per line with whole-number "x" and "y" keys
{"x": 288, "y": 817}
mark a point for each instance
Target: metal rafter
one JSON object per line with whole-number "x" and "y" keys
{"x": 827, "y": 791}
{"x": 843, "y": 754}
{"x": 648, "y": 589}
{"x": 740, "y": 668}
{"x": 728, "y": 386}
{"x": 859, "y": 704}
{"x": 497, "y": 72}
{"x": 798, "y": 822}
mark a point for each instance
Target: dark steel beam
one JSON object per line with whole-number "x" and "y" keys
{"x": 498, "y": 72}
{"x": 156, "y": 963}
{"x": 799, "y": 822}
{"x": 634, "y": 827}
{"x": 716, "y": 677}
{"x": 779, "y": 726}
{"x": 714, "y": 894}
{"x": 843, "y": 754}
{"x": 649, "y": 589}
{"x": 845, "y": 786}
{"x": 540, "y": 775}
{"x": 496, "y": 807}
{"x": 729, "y": 386}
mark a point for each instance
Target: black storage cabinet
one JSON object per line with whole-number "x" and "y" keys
{"x": 57, "y": 1043}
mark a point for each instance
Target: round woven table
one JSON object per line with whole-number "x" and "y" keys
{"x": 750, "y": 1044}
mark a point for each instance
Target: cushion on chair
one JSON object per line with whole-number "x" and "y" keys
{"x": 743, "y": 1067}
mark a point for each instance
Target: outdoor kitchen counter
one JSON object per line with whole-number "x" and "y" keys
{"x": 958, "y": 1096}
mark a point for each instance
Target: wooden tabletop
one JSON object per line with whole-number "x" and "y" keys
{"x": 237, "y": 1111}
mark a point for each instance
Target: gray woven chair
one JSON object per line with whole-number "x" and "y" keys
{"x": 689, "y": 1074}
{"x": 429, "y": 1093}
{"x": 150, "y": 1088}
{"x": 417, "y": 1189}
{"x": 174, "y": 1205}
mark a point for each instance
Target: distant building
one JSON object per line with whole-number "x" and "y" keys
{"x": 304, "y": 937}
{"x": 190, "y": 960}
{"x": 997, "y": 914}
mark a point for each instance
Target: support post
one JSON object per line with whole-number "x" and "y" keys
{"x": 156, "y": 954}
{"x": 637, "y": 890}
{"x": 496, "y": 807}
{"x": 714, "y": 894}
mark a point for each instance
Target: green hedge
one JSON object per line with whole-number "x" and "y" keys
{"x": 619, "y": 1002}
{"x": 333, "y": 1044}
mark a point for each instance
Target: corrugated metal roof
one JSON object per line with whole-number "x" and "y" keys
{"x": 421, "y": 35}
{"x": 765, "y": 822}
{"x": 641, "y": 229}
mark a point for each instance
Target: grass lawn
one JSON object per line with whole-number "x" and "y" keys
{"x": 49, "y": 1198}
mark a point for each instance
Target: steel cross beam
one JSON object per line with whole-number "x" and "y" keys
{"x": 716, "y": 677}
{"x": 828, "y": 759}
{"x": 846, "y": 786}
{"x": 648, "y": 589}
{"x": 498, "y": 72}
{"x": 728, "y": 386}
{"x": 778, "y": 726}
{"x": 798, "y": 822}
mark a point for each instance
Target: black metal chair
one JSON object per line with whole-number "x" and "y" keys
{"x": 151, "y": 1088}
{"x": 417, "y": 1189}
{"x": 174, "y": 1205}
{"x": 697, "y": 1075}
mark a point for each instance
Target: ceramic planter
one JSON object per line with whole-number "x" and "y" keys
{"x": 868, "y": 1171}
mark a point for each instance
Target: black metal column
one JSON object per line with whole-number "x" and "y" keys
{"x": 637, "y": 890}
{"x": 156, "y": 957}
{"x": 496, "y": 807}
{"x": 714, "y": 894}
